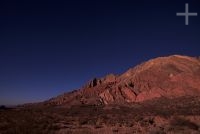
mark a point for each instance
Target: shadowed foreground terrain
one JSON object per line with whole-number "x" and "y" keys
{"x": 159, "y": 96}
{"x": 159, "y": 116}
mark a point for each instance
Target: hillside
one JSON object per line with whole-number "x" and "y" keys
{"x": 168, "y": 77}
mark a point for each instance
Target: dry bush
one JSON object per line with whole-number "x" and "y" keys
{"x": 181, "y": 122}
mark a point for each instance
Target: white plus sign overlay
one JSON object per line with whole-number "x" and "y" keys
{"x": 186, "y": 14}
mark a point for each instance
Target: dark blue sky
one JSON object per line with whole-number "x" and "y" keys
{"x": 50, "y": 47}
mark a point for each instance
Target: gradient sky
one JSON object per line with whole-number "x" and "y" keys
{"x": 51, "y": 47}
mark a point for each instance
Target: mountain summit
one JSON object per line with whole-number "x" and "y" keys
{"x": 169, "y": 77}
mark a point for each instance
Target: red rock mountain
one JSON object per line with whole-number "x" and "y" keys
{"x": 169, "y": 77}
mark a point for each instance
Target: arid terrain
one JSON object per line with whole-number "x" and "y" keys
{"x": 160, "y": 96}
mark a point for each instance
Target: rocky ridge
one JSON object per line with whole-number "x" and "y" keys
{"x": 169, "y": 77}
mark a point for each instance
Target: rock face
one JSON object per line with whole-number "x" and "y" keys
{"x": 168, "y": 77}
{"x": 111, "y": 78}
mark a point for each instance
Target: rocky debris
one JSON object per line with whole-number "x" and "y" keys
{"x": 158, "y": 116}
{"x": 169, "y": 77}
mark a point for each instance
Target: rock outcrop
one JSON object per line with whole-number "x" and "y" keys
{"x": 168, "y": 77}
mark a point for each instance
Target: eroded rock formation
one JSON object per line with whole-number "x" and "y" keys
{"x": 168, "y": 77}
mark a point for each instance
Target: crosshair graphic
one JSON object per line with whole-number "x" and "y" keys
{"x": 186, "y": 14}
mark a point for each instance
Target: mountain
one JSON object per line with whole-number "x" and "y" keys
{"x": 164, "y": 77}
{"x": 160, "y": 96}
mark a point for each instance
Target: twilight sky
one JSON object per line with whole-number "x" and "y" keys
{"x": 50, "y": 47}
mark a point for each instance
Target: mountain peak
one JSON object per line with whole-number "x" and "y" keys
{"x": 169, "y": 77}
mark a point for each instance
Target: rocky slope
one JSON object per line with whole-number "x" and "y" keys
{"x": 160, "y": 96}
{"x": 168, "y": 77}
